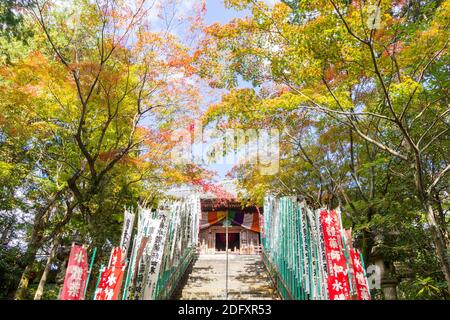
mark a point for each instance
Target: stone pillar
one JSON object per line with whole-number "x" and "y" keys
{"x": 388, "y": 279}
{"x": 389, "y": 288}
{"x": 388, "y": 276}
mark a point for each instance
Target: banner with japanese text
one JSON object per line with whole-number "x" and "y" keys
{"x": 362, "y": 285}
{"x": 338, "y": 281}
{"x": 127, "y": 230}
{"x": 76, "y": 274}
{"x": 144, "y": 256}
{"x": 155, "y": 259}
{"x": 110, "y": 284}
{"x": 117, "y": 259}
{"x": 146, "y": 226}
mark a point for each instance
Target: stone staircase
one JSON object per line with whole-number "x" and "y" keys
{"x": 247, "y": 279}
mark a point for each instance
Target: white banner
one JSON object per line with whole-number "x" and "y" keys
{"x": 143, "y": 220}
{"x": 150, "y": 231}
{"x": 128, "y": 223}
{"x": 154, "y": 265}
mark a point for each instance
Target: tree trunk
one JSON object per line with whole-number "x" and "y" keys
{"x": 35, "y": 244}
{"x": 438, "y": 239}
{"x": 442, "y": 220}
{"x": 23, "y": 285}
{"x": 425, "y": 197}
{"x": 40, "y": 290}
{"x": 29, "y": 258}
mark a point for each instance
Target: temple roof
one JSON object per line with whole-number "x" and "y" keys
{"x": 227, "y": 204}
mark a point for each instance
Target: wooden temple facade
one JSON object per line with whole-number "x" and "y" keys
{"x": 244, "y": 227}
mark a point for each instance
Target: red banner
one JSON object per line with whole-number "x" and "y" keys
{"x": 362, "y": 286}
{"x": 338, "y": 283}
{"x": 76, "y": 274}
{"x": 117, "y": 258}
{"x": 110, "y": 284}
{"x": 111, "y": 278}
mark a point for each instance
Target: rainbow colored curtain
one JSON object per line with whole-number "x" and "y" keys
{"x": 249, "y": 221}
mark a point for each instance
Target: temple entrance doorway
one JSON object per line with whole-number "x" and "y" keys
{"x": 234, "y": 242}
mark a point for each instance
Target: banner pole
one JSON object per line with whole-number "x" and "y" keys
{"x": 98, "y": 281}
{"x": 90, "y": 270}
{"x": 129, "y": 266}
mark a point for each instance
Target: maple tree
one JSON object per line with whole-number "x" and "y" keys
{"x": 372, "y": 78}
{"x": 94, "y": 91}
{"x": 92, "y": 102}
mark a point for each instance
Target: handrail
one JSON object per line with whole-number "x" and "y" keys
{"x": 176, "y": 275}
{"x": 271, "y": 269}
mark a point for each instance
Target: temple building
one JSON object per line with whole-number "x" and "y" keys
{"x": 244, "y": 224}
{"x": 243, "y": 227}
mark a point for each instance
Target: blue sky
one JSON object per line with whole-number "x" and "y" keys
{"x": 218, "y": 13}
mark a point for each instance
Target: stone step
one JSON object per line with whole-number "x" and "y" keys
{"x": 206, "y": 279}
